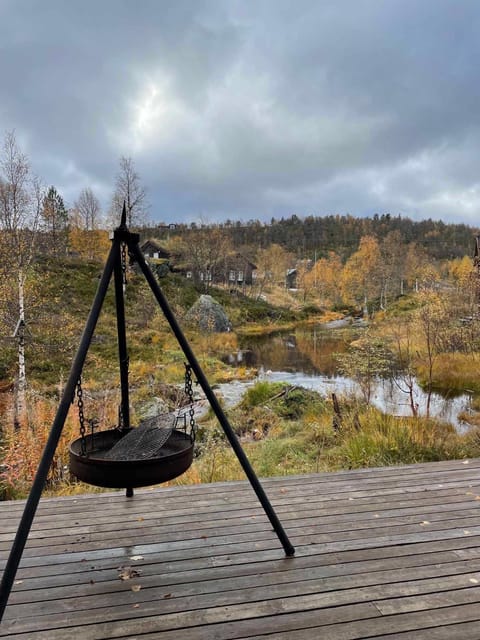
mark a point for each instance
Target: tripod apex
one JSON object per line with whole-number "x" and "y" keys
{"x": 123, "y": 221}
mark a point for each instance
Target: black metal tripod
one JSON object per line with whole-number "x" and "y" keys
{"x": 120, "y": 236}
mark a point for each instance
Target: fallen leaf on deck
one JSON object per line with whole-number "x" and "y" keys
{"x": 167, "y": 595}
{"x": 136, "y": 587}
{"x": 140, "y": 519}
{"x": 135, "y": 606}
{"x": 136, "y": 558}
{"x": 465, "y": 462}
{"x": 18, "y": 581}
{"x": 424, "y": 523}
{"x": 126, "y": 573}
{"x": 466, "y": 532}
{"x": 473, "y": 580}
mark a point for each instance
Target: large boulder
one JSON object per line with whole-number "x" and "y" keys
{"x": 208, "y": 315}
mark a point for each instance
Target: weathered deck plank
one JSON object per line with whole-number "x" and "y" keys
{"x": 380, "y": 553}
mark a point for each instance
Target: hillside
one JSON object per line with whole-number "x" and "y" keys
{"x": 58, "y": 301}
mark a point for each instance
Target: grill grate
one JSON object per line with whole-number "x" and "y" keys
{"x": 144, "y": 441}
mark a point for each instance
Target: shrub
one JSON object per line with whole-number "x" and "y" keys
{"x": 260, "y": 393}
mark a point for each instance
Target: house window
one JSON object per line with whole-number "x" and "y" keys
{"x": 232, "y": 276}
{"x": 155, "y": 254}
{"x": 240, "y": 276}
{"x": 189, "y": 274}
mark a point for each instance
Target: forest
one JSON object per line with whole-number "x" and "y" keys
{"x": 309, "y": 236}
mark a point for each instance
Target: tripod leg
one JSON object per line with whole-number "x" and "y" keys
{"x": 122, "y": 340}
{"x": 212, "y": 399}
{"x": 55, "y": 433}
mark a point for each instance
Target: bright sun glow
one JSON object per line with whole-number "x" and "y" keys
{"x": 147, "y": 109}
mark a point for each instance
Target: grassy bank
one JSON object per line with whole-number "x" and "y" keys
{"x": 291, "y": 431}
{"x": 283, "y": 430}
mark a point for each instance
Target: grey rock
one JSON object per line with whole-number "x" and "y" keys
{"x": 208, "y": 315}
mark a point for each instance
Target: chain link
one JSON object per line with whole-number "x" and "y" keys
{"x": 124, "y": 263}
{"x": 81, "y": 416}
{"x": 189, "y": 392}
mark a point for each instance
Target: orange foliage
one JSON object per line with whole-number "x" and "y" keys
{"x": 92, "y": 244}
{"x": 22, "y": 449}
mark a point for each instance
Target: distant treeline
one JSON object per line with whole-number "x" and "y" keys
{"x": 317, "y": 235}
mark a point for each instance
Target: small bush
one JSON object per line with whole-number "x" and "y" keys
{"x": 296, "y": 402}
{"x": 260, "y": 393}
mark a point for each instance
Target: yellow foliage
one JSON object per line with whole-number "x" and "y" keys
{"x": 92, "y": 245}
{"x": 360, "y": 276}
{"x": 325, "y": 278}
{"x": 461, "y": 270}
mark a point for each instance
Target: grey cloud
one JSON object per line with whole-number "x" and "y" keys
{"x": 235, "y": 109}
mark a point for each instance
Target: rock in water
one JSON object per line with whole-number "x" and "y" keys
{"x": 208, "y": 315}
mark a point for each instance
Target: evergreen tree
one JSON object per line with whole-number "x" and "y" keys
{"x": 55, "y": 222}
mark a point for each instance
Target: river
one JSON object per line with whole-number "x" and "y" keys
{"x": 306, "y": 358}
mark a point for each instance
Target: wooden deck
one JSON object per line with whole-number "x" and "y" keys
{"x": 381, "y": 553}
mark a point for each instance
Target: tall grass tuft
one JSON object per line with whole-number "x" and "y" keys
{"x": 385, "y": 440}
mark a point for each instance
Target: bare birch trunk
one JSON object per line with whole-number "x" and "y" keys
{"x": 21, "y": 388}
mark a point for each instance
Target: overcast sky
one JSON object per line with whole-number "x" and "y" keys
{"x": 248, "y": 109}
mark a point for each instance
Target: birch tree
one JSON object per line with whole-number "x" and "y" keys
{"x": 272, "y": 264}
{"x": 87, "y": 207}
{"x": 129, "y": 189}
{"x": 325, "y": 277}
{"x": 361, "y": 274}
{"x": 85, "y": 219}
{"x": 21, "y": 199}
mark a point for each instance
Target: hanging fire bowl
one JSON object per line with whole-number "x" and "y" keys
{"x": 131, "y": 458}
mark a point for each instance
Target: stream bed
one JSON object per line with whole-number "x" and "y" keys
{"x": 306, "y": 358}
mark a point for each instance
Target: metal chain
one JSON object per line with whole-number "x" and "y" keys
{"x": 81, "y": 416}
{"x": 124, "y": 263}
{"x": 189, "y": 392}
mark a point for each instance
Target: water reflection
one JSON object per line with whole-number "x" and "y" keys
{"x": 306, "y": 358}
{"x": 308, "y": 350}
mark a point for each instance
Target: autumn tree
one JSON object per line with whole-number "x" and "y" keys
{"x": 432, "y": 327}
{"x": 367, "y": 360}
{"x": 392, "y": 267}
{"x": 416, "y": 265}
{"x": 54, "y": 218}
{"x": 129, "y": 189}
{"x": 88, "y": 210}
{"x": 325, "y": 278}
{"x": 272, "y": 265}
{"x": 304, "y": 281}
{"x": 361, "y": 277}
{"x": 86, "y": 238}
{"x": 205, "y": 253}
{"x": 403, "y": 372}
{"x": 21, "y": 199}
